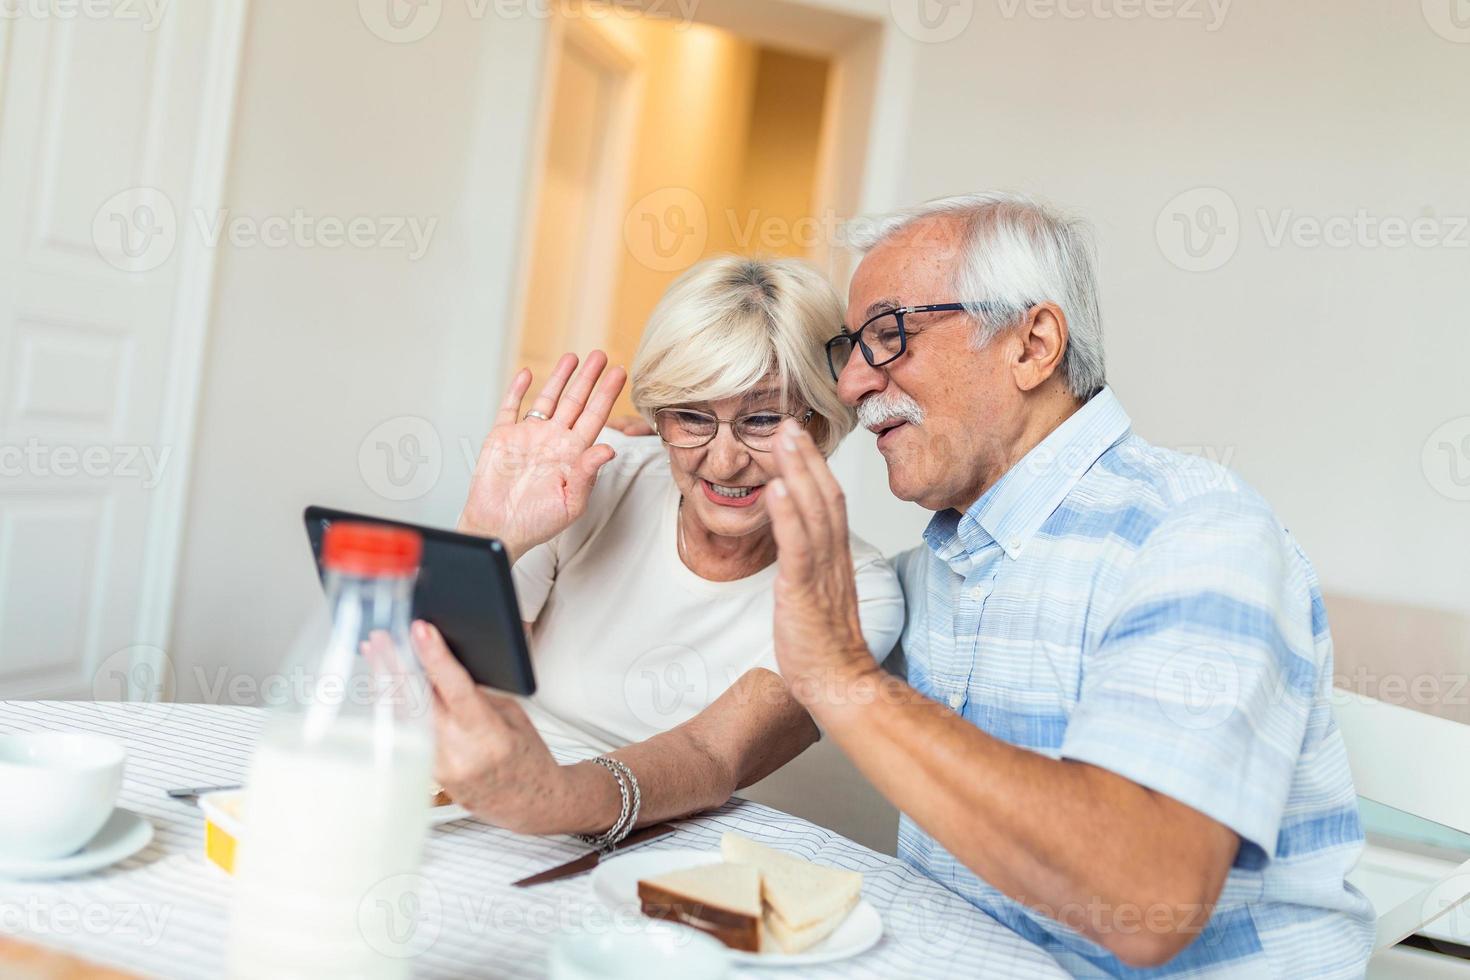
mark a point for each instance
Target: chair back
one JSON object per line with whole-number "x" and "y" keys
{"x": 1406, "y": 759}
{"x": 1414, "y": 763}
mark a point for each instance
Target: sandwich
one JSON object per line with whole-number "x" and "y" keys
{"x": 803, "y": 902}
{"x": 723, "y": 900}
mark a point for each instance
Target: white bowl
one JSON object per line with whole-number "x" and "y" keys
{"x": 57, "y": 789}
{"x": 656, "y": 951}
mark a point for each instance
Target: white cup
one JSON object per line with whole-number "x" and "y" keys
{"x": 659, "y": 952}
{"x": 57, "y": 789}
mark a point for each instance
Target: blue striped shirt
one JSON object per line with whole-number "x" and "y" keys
{"x": 1143, "y": 611}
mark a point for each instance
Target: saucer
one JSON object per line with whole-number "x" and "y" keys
{"x": 123, "y": 835}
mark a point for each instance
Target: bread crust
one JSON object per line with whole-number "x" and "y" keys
{"x": 736, "y": 930}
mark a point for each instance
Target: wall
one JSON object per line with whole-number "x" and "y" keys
{"x": 1318, "y": 373}
{"x": 331, "y": 370}
{"x": 323, "y": 360}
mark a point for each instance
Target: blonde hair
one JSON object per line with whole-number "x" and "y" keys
{"x": 730, "y": 322}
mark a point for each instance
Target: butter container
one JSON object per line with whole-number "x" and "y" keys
{"x": 222, "y": 825}
{"x": 224, "y": 820}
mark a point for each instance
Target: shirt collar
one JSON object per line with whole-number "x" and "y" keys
{"x": 1013, "y": 510}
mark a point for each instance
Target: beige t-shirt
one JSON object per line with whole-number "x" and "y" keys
{"x": 627, "y": 641}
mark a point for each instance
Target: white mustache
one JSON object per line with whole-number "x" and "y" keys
{"x": 878, "y": 409}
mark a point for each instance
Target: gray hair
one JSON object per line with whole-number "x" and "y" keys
{"x": 1016, "y": 253}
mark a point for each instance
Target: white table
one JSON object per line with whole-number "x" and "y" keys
{"x": 163, "y": 912}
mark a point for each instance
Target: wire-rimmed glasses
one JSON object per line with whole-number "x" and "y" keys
{"x": 688, "y": 428}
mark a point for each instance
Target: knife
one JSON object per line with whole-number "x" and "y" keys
{"x": 194, "y": 792}
{"x": 590, "y": 860}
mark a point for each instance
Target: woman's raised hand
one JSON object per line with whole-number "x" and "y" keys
{"x": 536, "y": 471}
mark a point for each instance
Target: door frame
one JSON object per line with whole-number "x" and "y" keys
{"x": 189, "y": 330}
{"x": 600, "y": 290}
{"x": 590, "y": 39}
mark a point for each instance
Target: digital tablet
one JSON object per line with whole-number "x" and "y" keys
{"x": 464, "y": 588}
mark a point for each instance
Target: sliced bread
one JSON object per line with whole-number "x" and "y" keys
{"x": 723, "y": 900}
{"x": 805, "y": 901}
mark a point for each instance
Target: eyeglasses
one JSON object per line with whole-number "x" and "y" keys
{"x": 883, "y": 339}
{"x": 685, "y": 428}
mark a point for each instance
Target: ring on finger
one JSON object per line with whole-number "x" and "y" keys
{"x": 533, "y": 414}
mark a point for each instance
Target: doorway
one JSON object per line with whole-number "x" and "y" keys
{"x": 664, "y": 141}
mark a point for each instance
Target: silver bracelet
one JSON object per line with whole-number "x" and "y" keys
{"x": 629, "y": 819}
{"x": 632, "y": 799}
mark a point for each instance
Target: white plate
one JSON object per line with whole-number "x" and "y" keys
{"x": 615, "y": 882}
{"x": 123, "y": 835}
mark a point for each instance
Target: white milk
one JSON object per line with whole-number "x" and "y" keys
{"x": 326, "y": 874}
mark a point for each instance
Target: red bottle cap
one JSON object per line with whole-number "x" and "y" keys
{"x": 371, "y": 549}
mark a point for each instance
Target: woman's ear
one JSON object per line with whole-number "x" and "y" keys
{"x": 1043, "y": 336}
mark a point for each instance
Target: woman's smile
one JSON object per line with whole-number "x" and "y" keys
{"x": 726, "y": 495}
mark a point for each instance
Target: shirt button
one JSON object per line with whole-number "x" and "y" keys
{"x": 955, "y": 700}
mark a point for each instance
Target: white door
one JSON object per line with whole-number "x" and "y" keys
{"x": 102, "y": 290}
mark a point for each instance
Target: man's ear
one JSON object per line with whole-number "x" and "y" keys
{"x": 1043, "y": 338}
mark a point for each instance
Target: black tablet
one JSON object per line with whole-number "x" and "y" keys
{"x": 465, "y": 589}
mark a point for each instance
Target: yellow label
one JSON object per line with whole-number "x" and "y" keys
{"x": 219, "y": 847}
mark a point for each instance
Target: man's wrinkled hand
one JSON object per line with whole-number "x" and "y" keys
{"x": 819, "y": 639}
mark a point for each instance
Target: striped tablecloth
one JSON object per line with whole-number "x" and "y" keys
{"x": 163, "y": 912}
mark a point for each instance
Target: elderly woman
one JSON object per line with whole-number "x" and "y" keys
{"x": 648, "y": 596}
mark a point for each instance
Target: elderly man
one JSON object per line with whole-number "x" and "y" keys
{"x": 1115, "y": 736}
